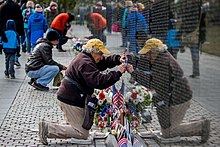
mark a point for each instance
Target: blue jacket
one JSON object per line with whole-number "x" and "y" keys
{"x": 171, "y": 39}
{"x": 37, "y": 26}
{"x": 13, "y": 38}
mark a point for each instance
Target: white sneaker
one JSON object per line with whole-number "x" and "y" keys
{"x": 82, "y": 141}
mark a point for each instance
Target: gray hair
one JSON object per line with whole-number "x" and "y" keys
{"x": 90, "y": 49}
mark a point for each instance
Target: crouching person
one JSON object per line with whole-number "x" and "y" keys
{"x": 40, "y": 66}
{"x": 81, "y": 77}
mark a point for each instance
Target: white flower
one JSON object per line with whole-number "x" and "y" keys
{"x": 141, "y": 99}
{"x": 128, "y": 95}
{"x": 100, "y": 102}
{"x": 135, "y": 101}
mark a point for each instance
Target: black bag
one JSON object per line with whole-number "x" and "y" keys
{"x": 89, "y": 111}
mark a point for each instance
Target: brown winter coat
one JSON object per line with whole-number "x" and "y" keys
{"x": 87, "y": 73}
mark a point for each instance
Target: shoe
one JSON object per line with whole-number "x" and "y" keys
{"x": 17, "y": 63}
{"x": 61, "y": 50}
{"x": 205, "y": 131}
{"x": 193, "y": 76}
{"x": 12, "y": 76}
{"x": 6, "y": 75}
{"x": 31, "y": 81}
{"x": 43, "y": 132}
{"x": 167, "y": 140}
{"x": 40, "y": 87}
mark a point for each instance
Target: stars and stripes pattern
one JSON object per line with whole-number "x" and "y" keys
{"x": 118, "y": 100}
{"x": 123, "y": 142}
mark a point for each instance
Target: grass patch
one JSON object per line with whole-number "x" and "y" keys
{"x": 212, "y": 44}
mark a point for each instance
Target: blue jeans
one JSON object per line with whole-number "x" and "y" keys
{"x": 27, "y": 40}
{"x": 45, "y": 74}
{"x": 9, "y": 64}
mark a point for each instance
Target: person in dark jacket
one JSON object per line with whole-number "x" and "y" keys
{"x": 10, "y": 48}
{"x": 40, "y": 67}
{"x": 173, "y": 93}
{"x": 84, "y": 71}
{"x": 11, "y": 10}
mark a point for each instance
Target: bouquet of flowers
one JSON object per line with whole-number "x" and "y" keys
{"x": 104, "y": 110}
{"x": 78, "y": 43}
{"x": 137, "y": 99}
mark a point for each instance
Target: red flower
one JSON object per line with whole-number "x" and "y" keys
{"x": 134, "y": 95}
{"x": 101, "y": 95}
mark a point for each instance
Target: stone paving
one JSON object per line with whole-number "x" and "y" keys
{"x": 19, "y": 126}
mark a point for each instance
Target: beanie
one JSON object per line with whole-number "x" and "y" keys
{"x": 52, "y": 35}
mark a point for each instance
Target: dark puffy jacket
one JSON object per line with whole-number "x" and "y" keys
{"x": 87, "y": 73}
{"x": 11, "y": 10}
{"x": 42, "y": 55}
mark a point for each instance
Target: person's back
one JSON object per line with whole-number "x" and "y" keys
{"x": 98, "y": 20}
{"x": 37, "y": 25}
{"x": 12, "y": 35}
{"x": 10, "y": 48}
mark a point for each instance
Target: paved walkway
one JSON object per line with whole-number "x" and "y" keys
{"x": 21, "y": 106}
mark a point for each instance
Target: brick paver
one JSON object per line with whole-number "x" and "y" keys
{"x": 19, "y": 128}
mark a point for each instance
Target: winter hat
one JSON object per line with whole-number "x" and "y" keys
{"x": 38, "y": 8}
{"x": 53, "y": 4}
{"x": 52, "y": 35}
{"x": 30, "y": 4}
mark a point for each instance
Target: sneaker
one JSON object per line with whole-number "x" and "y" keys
{"x": 31, "y": 81}
{"x": 205, "y": 131}
{"x": 6, "y": 75}
{"x": 193, "y": 76}
{"x": 12, "y": 76}
{"x": 43, "y": 132}
{"x": 40, "y": 87}
{"x": 167, "y": 140}
{"x": 17, "y": 63}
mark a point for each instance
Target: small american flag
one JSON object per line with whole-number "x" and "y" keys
{"x": 108, "y": 89}
{"x": 118, "y": 100}
{"x": 122, "y": 142}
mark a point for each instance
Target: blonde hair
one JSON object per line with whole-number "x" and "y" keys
{"x": 128, "y": 3}
{"x": 30, "y": 4}
{"x": 140, "y": 6}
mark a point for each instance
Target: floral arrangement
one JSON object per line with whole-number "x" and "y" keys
{"x": 138, "y": 97}
{"x": 136, "y": 100}
{"x": 78, "y": 43}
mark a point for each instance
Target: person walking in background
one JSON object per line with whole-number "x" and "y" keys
{"x": 124, "y": 31}
{"x": 51, "y": 12}
{"x": 40, "y": 66}
{"x": 11, "y": 10}
{"x": 173, "y": 97}
{"x": 173, "y": 37}
{"x": 59, "y": 24}
{"x": 82, "y": 13}
{"x": 26, "y": 13}
{"x": 37, "y": 25}
{"x": 135, "y": 22}
{"x": 81, "y": 77}
{"x": 11, "y": 48}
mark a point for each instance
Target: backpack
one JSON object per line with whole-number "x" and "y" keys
{"x": 27, "y": 14}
